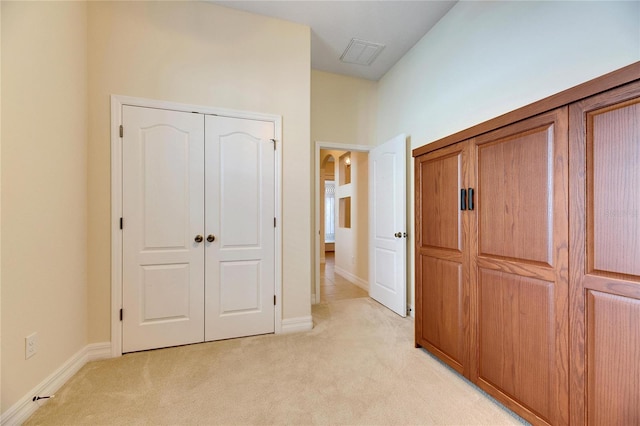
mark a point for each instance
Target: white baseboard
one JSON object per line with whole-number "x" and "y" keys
{"x": 294, "y": 325}
{"x": 353, "y": 278}
{"x": 25, "y": 407}
{"x": 97, "y": 351}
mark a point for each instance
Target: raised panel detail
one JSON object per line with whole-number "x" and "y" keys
{"x": 515, "y": 190}
{"x": 165, "y": 168}
{"x": 517, "y": 339}
{"x": 239, "y": 287}
{"x": 613, "y": 359}
{"x": 441, "y": 221}
{"x": 165, "y": 292}
{"x": 442, "y": 306}
{"x": 384, "y": 191}
{"x": 385, "y": 276}
{"x": 240, "y": 167}
{"x": 613, "y": 188}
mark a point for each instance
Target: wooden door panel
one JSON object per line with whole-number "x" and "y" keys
{"x": 517, "y": 338}
{"x": 442, "y": 272}
{"x": 515, "y": 180}
{"x": 613, "y": 182}
{"x": 521, "y": 266}
{"x": 442, "y": 304}
{"x": 441, "y": 214}
{"x": 605, "y": 257}
{"x": 517, "y": 268}
{"x": 614, "y": 351}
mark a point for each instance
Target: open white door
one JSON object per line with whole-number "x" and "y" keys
{"x": 387, "y": 225}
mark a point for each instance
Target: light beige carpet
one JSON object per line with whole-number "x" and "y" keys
{"x": 357, "y": 366}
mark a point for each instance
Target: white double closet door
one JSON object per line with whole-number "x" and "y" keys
{"x": 198, "y": 234}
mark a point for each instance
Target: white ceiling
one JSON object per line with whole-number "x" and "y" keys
{"x": 398, "y": 24}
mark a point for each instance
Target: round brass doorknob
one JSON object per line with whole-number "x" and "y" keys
{"x": 398, "y": 235}
{"x": 198, "y": 239}
{"x": 211, "y": 238}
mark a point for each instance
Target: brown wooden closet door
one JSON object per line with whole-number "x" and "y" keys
{"x": 605, "y": 258}
{"x": 442, "y": 282}
{"x": 521, "y": 266}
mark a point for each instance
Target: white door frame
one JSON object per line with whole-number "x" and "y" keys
{"x": 117, "y": 101}
{"x": 339, "y": 147}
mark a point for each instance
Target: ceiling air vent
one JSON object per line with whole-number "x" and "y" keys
{"x": 361, "y": 52}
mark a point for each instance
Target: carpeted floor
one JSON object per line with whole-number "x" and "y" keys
{"x": 357, "y": 366}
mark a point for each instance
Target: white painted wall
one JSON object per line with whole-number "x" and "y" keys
{"x": 44, "y": 192}
{"x": 484, "y": 59}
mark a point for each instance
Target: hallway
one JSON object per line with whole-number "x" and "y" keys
{"x": 335, "y": 287}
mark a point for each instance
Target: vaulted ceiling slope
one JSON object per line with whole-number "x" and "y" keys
{"x": 398, "y": 25}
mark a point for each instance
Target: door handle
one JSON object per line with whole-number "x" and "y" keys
{"x": 211, "y": 238}
{"x": 463, "y": 199}
{"x": 398, "y": 235}
{"x": 470, "y": 199}
{"x": 198, "y": 239}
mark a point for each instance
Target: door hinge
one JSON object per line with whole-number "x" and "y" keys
{"x": 120, "y": 223}
{"x": 274, "y": 300}
{"x": 274, "y": 144}
{"x": 121, "y": 314}
{"x": 121, "y": 131}
{"x": 274, "y": 222}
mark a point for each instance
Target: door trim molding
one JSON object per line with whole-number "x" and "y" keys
{"x": 315, "y": 295}
{"x": 117, "y": 102}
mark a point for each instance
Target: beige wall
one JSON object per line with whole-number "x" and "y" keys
{"x": 0, "y": 207}
{"x": 484, "y": 59}
{"x": 343, "y": 111}
{"x": 204, "y": 54}
{"x": 361, "y": 215}
{"x": 44, "y": 196}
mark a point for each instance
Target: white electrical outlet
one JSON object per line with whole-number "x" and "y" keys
{"x": 30, "y": 345}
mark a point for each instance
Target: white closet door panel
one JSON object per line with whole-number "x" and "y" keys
{"x": 163, "y": 210}
{"x": 240, "y": 211}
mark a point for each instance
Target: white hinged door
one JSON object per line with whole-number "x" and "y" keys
{"x": 240, "y": 213}
{"x": 163, "y": 210}
{"x": 387, "y": 225}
